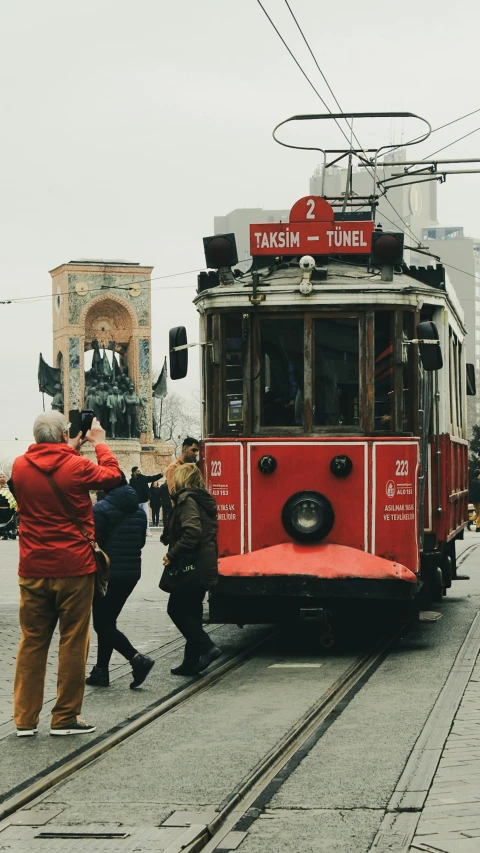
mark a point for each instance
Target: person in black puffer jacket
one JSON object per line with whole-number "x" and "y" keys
{"x": 120, "y": 530}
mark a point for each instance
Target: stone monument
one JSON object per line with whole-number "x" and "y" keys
{"x": 102, "y": 356}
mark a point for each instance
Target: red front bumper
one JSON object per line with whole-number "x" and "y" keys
{"x": 325, "y": 561}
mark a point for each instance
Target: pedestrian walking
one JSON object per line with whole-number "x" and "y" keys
{"x": 120, "y": 530}
{"x": 191, "y": 566}
{"x": 8, "y": 508}
{"x": 139, "y": 482}
{"x": 167, "y": 509}
{"x": 474, "y": 496}
{"x": 57, "y": 567}
{"x": 155, "y": 503}
{"x": 188, "y": 455}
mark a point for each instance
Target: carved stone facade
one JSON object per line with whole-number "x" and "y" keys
{"x": 106, "y": 306}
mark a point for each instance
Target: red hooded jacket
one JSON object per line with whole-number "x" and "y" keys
{"x": 50, "y": 544}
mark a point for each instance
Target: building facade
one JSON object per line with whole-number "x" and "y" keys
{"x": 238, "y": 222}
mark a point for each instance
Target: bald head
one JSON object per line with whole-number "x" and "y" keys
{"x": 49, "y": 428}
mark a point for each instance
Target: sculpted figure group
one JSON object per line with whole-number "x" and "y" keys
{"x": 115, "y": 406}
{"x": 113, "y": 398}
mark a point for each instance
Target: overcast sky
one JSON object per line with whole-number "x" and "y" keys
{"x": 126, "y": 126}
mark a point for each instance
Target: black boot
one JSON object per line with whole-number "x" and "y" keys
{"x": 141, "y": 666}
{"x": 98, "y": 677}
{"x": 208, "y": 658}
{"x": 186, "y": 668}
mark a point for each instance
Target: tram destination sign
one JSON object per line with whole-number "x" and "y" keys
{"x": 312, "y": 238}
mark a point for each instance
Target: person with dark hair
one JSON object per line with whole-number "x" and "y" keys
{"x": 139, "y": 482}
{"x": 120, "y": 530}
{"x": 155, "y": 503}
{"x": 474, "y": 496}
{"x": 167, "y": 508}
{"x": 188, "y": 455}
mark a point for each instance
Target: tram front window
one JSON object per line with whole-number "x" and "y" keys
{"x": 282, "y": 347}
{"x": 234, "y": 372}
{"x": 337, "y": 359}
{"x": 383, "y": 371}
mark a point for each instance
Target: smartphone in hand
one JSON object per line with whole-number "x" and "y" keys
{"x": 80, "y": 421}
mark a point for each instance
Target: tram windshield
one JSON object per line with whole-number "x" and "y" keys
{"x": 337, "y": 372}
{"x": 282, "y": 348}
{"x": 346, "y": 372}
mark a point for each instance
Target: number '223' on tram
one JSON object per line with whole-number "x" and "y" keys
{"x": 334, "y": 387}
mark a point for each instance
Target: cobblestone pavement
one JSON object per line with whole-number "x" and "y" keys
{"x": 144, "y": 620}
{"x": 450, "y": 821}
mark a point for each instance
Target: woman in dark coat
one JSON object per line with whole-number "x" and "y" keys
{"x": 193, "y": 534}
{"x": 155, "y": 503}
{"x": 120, "y": 530}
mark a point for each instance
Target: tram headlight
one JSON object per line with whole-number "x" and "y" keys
{"x": 308, "y": 516}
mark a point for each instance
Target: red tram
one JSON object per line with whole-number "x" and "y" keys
{"x": 334, "y": 414}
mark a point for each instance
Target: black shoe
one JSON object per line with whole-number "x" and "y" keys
{"x": 208, "y": 658}
{"x": 185, "y": 669}
{"x": 98, "y": 677}
{"x": 141, "y": 666}
{"x": 79, "y": 727}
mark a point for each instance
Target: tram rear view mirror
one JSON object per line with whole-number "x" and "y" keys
{"x": 178, "y": 352}
{"x": 429, "y": 346}
{"x": 471, "y": 381}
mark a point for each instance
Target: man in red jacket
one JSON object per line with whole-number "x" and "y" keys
{"x": 57, "y": 568}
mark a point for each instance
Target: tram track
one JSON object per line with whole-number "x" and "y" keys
{"x": 244, "y": 802}
{"x": 242, "y": 807}
{"x": 34, "y": 787}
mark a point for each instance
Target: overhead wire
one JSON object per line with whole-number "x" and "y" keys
{"x": 126, "y": 286}
{"x": 307, "y": 78}
{"x": 415, "y": 238}
{"x": 447, "y": 146}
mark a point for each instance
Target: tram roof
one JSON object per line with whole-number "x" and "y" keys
{"x": 280, "y": 284}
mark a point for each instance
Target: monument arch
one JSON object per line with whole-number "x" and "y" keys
{"x": 105, "y": 306}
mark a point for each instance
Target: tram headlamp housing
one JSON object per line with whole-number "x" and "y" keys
{"x": 220, "y": 251}
{"x": 387, "y": 248}
{"x": 308, "y": 516}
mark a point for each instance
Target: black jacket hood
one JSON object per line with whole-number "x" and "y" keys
{"x": 123, "y": 498}
{"x": 202, "y": 497}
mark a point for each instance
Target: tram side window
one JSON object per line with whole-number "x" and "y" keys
{"x": 460, "y": 397}
{"x": 407, "y": 377}
{"x": 383, "y": 371}
{"x": 337, "y": 382}
{"x": 455, "y": 384}
{"x": 234, "y": 373}
{"x": 282, "y": 349}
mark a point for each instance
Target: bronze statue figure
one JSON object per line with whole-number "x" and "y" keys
{"x": 57, "y": 401}
{"x": 116, "y": 407}
{"x": 132, "y": 402}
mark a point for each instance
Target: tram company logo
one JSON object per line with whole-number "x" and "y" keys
{"x": 390, "y": 489}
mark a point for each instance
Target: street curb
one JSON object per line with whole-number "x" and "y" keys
{"x": 407, "y": 801}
